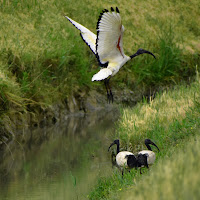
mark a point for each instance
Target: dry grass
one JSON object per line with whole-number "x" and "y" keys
{"x": 169, "y": 106}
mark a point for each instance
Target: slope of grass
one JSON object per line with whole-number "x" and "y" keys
{"x": 170, "y": 120}
{"x": 166, "y": 108}
{"x": 173, "y": 178}
{"x": 43, "y": 58}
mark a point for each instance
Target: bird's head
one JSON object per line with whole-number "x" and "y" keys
{"x": 148, "y": 142}
{"x": 115, "y": 142}
{"x": 141, "y": 51}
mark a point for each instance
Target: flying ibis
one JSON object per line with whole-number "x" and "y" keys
{"x": 151, "y": 156}
{"x": 107, "y": 46}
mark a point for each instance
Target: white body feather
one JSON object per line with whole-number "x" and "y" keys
{"x": 151, "y": 156}
{"x": 121, "y": 159}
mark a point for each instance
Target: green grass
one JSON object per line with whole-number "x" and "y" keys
{"x": 168, "y": 66}
{"x": 170, "y": 120}
{"x": 43, "y": 59}
{"x": 176, "y": 177}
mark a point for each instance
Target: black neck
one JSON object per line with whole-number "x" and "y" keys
{"x": 134, "y": 55}
{"x": 148, "y": 147}
{"x": 117, "y": 147}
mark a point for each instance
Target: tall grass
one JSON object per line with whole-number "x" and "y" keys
{"x": 168, "y": 67}
{"x": 167, "y": 107}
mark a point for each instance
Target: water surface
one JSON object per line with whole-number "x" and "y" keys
{"x": 58, "y": 162}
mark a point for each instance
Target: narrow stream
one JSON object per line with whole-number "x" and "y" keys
{"x": 59, "y": 162}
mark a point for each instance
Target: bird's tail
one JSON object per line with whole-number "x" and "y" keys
{"x": 102, "y": 74}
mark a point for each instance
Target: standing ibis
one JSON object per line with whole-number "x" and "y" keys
{"x": 107, "y": 46}
{"x": 151, "y": 156}
{"x": 124, "y": 159}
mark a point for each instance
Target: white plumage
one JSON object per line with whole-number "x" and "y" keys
{"x": 151, "y": 156}
{"x": 101, "y": 74}
{"x": 121, "y": 158}
{"x": 124, "y": 159}
{"x": 107, "y": 45}
{"x": 88, "y": 36}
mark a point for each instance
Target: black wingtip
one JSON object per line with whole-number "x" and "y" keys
{"x": 117, "y": 9}
{"x": 112, "y": 9}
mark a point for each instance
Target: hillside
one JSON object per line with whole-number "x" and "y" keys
{"x": 43, "y": 60}
{"x": 172, "y": 121}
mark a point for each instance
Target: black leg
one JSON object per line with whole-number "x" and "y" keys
{"x": 106, "y": 85}
{"x": 111, "y": 95}
{"x": 108, "y": 90}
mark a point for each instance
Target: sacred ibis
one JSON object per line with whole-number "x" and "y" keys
{"x": 126, "y": 159}
{"x": 151, "y": 156}
{"x": 107, "y": 46}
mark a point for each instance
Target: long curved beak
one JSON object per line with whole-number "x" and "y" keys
{"x": 110, "y": 146}
{"x": 141, "y": 51}
{"x": 148, "y": 142}
{"x": 145, "y": 51}
{"x": 155, "y": 145}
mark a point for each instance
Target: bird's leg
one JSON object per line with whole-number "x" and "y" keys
{"x": 108, "y": 90}
{"x": 106, "y": 85}
{"x": 122, "y": 173}
{"x": 111, "y": 95}
{"x": 140, "y": 170}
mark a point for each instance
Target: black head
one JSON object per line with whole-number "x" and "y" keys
{"x": 148, "y": 142}
{"x": 141, "y": 51}
{"x": 115, "y": 142}
{"x": 131, "y": 161}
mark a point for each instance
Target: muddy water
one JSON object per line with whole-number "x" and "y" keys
{"x": 59, "y": 162}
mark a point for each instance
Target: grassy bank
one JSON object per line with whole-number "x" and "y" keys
{"x": 43, "y": 58}
{"x": 172, "y": 121}
{"x": 176, "y": 177}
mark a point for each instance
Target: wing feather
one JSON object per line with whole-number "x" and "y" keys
{"x": 109, "y": 42}
{"x": 88, "y": 37}
{"x": 102, "y": 74}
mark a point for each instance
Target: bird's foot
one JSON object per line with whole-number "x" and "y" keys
{"x": 110, "y": 98}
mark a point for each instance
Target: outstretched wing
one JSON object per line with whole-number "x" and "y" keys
{"x": 109, "y": 44}
{"x": 88, "y": 37}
